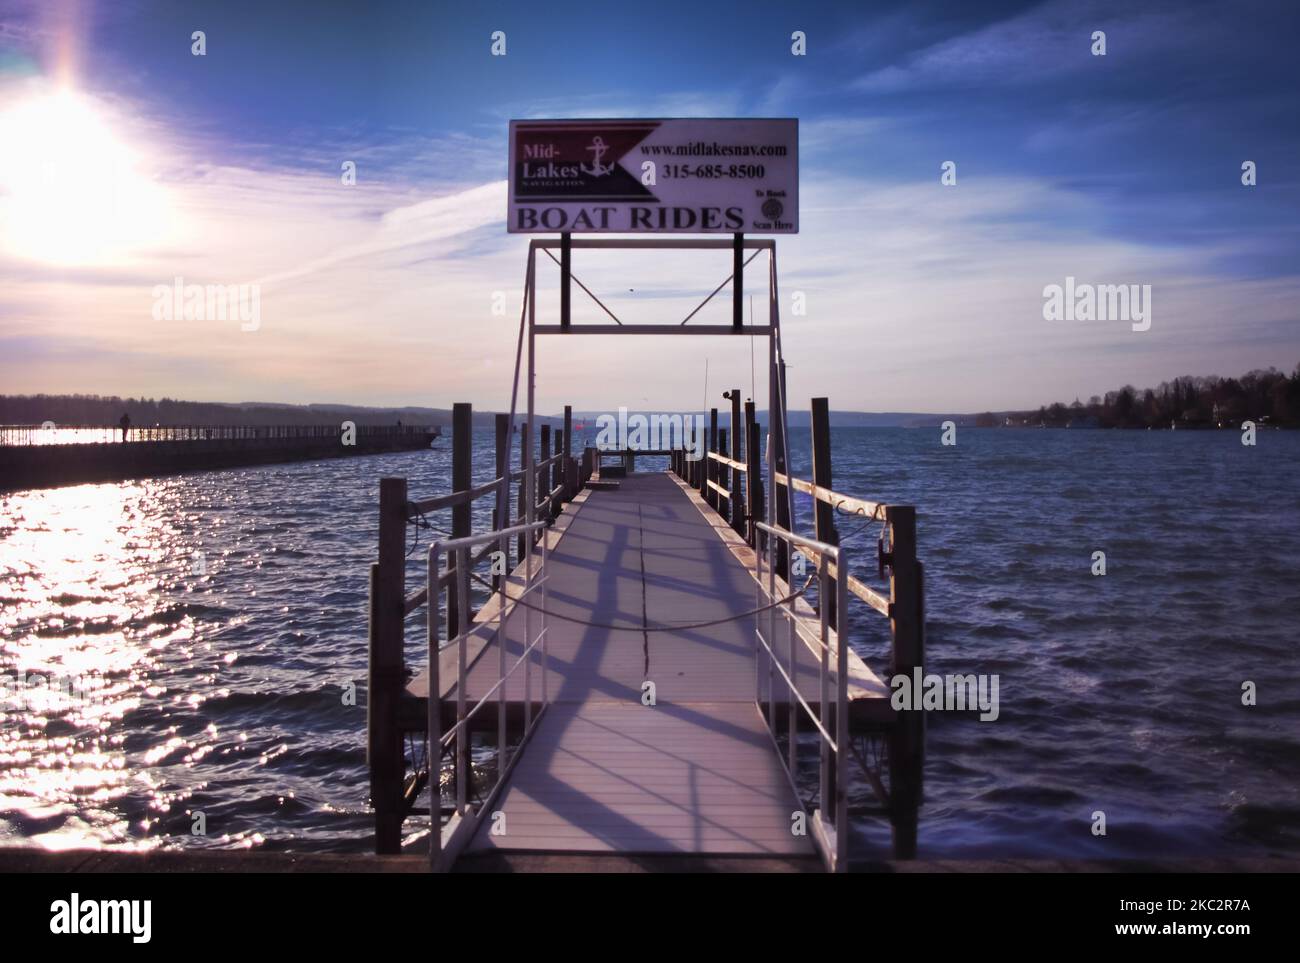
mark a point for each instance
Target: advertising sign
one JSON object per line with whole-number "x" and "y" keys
{"x": 675, "y": 176}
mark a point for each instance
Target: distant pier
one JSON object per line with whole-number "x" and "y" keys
{"x": 35, "y": 456}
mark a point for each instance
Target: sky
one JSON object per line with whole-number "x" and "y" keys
{"x": 127, "y": 161}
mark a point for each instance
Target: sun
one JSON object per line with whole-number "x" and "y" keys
{"x": 71, "y": 192}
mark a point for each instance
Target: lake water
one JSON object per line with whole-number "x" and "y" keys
{"x": 225, "y": 615}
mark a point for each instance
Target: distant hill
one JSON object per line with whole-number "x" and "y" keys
{"x": 1267, "y": 396}
{"x": 839, "y": 419}
{"x": 100, "y": 410}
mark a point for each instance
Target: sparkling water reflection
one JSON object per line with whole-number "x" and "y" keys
{"x": 219, "y": 620}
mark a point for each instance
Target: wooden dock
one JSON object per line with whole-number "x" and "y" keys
{"x": 654, "y": 665}
{"x": 696, "y": 771}
{"x": 634, "y": 710}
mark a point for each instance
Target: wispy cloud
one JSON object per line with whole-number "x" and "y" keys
{"x": 1042, "y": 44}
{"x": 405, "y": 288}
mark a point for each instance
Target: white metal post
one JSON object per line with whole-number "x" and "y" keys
{"x": 434, "y": 712}
{"x": 841, "y": 714}
{"x": 462, "y": 735}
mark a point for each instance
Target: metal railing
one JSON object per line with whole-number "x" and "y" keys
{"x": 445, "y": 842}
{"x": 830, "y": 820}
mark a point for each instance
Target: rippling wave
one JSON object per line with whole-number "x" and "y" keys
{"x": 213, "y": 624}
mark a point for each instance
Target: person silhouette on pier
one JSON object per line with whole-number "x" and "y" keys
{"x": 125, "y": 423}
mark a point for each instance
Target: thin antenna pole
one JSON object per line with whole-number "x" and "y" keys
{"x": 753, "y": 382}
{"x": 503, "y": 516}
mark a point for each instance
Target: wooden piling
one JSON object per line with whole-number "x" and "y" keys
{"x": 711, "y": 466}
{"x": 386, "y": 676}
{"x": 823, "y": 514}
{"x": 724, "y": 472}
{"x": 907, "y": 738}
{"x": 462, "y": 476}
{"x": 543, "y": 474}
{"x": 462, "y": 471}
{"x": 780, "y": 494}
{"x": 738, "y": 437}
{"x": 701, "y": 463}
{"x": 557, "y": 474}
{"x": 566, "y": 471}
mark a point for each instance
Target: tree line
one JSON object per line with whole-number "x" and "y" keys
{"x": 73, "y": 410}
{"x": 1264, "y": 396}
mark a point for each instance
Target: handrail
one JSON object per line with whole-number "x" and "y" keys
{"x": 830, "y": 820}
{"x": 414, "y": 601}
{"x": 802, "y": 541}
{"x": 537, "y": 466}
{"x": 465, "y": 818}
{"x": 857, "y": 506}
{"x": 469, "y": 713}
{"x": 814, "y": 628}
{"x": 550, "y": 497}
{"x": 425, "y": 505}
{"x": 731, "y": 463}
{"x": 858, "y": 588}
{"x": 470, "y": 541}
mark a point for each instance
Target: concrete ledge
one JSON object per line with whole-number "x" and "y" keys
{"x": 30, "y": 860}
{"x": 52, "y": 466}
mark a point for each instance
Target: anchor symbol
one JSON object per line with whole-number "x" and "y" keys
{"x": 598, "y": 148}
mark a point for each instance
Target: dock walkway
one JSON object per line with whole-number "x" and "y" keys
{"x": 697, "y": 771}
{"x": 643, "y": 683}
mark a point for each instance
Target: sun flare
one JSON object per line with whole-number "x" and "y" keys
{"x": 71, "y": 192}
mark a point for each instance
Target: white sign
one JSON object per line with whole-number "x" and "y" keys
{"x": 676, "y": 176}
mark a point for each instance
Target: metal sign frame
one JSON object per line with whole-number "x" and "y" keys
{"x": 778, "y": 427}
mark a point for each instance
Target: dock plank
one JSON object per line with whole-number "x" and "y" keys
{"x": 634, "y": 573}
{"x": 603, "y": 773}
{"x": 602, "y": 777}
{"x": 645, "y": 553}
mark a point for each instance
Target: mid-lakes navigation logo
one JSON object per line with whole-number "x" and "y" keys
{"x": 689, "y": 175}
{"x": 563, "y": 161}
{"x": 596, "y": 168}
